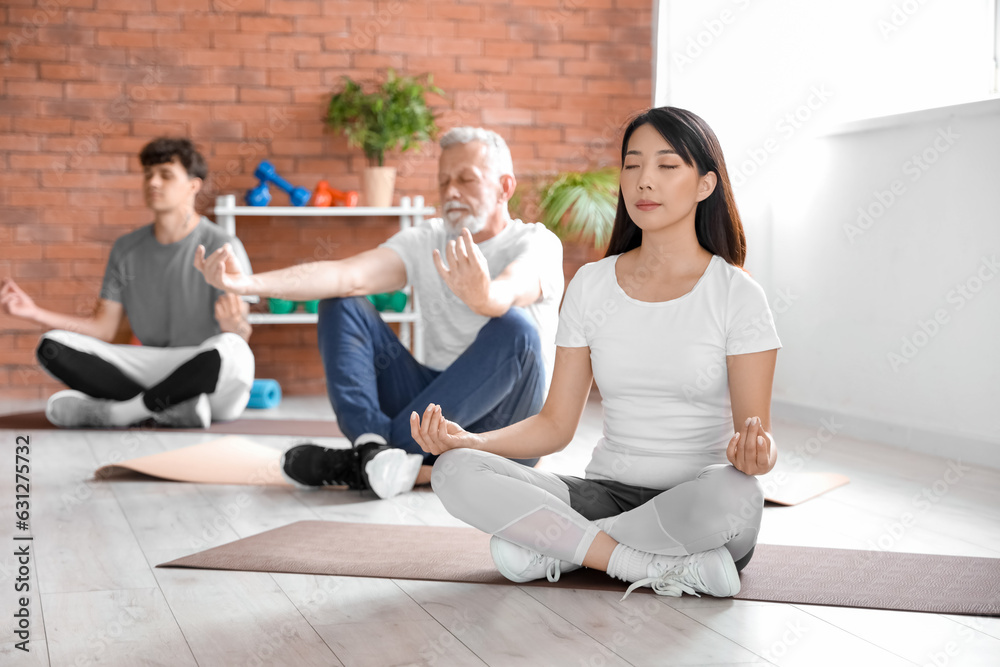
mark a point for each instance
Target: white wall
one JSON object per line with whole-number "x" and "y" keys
{"x": 881, "y": 330}
{"x": 850, "y": 294}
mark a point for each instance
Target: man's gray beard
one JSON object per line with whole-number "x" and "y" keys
{"x": 473, "y": 223}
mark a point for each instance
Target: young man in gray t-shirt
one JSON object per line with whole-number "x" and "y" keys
{"x": 489, "y": 289}
{"x": 193, "y": 364}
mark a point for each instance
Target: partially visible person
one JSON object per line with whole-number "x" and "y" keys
{"x": 670, "y": 498}
{"x": 193, "y": 365}
{"x": 489, "y": 289}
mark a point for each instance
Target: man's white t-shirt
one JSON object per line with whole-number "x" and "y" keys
{"x": 450, "y": 326}
{"x": 661, "y": 368}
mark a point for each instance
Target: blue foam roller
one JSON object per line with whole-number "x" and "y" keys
{"x": 264, "y": 394}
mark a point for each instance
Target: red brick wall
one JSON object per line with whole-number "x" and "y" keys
{"x": 85, "y": 83}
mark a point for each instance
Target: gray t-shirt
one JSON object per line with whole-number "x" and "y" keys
{"x": 166, "y": 299}
{"x": 449, "y": 325}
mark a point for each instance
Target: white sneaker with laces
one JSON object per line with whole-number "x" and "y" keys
{"x": 521, "y": 565}
{"x": 72, "y": 409}
{"x": 193, "y": 413}
{"x": 392, "y": 472}
{"x": 387, "y": 470}
{"x": 709, "y": 572}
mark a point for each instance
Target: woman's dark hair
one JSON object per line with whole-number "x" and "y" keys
{"x": 716, "y": 222}
{"x": 165, "y": 149}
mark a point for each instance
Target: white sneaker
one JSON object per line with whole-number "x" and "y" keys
{"x": 389, "y": 471}
{"x": 709, "y": 572}
{"x": 72, "y": 409}
{"x": 521, "y": 565}
{"x": 192, "y": 413}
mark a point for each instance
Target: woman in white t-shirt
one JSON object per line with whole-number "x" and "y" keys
{"x": 682, "y": 345}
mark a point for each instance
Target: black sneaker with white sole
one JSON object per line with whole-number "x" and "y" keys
{"x": 369, "y": 464}
{"x": 310, "y": 466}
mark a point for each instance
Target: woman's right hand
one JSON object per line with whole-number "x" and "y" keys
{"x": 436, "y": 435}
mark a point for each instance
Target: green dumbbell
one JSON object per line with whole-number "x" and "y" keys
{"x": 395, "y": 301}
{"x": 280, "y": 306}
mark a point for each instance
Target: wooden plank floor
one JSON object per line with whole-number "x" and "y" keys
{"x": 96, "y": 597}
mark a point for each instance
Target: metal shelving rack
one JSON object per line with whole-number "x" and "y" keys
{"x": 410, "y": 212}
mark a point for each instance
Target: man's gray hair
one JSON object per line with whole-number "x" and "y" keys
{"x": 497, "y": 153}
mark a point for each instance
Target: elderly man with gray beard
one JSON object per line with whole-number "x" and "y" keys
{"x": 489, "y": 288}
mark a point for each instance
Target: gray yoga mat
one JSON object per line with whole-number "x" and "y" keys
{"x": 798, "y": 575}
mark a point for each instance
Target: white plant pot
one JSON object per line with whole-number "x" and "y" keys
{"x": 378, "y": 184}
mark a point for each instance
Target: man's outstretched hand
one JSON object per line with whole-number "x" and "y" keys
{"x": 222, "y": 270}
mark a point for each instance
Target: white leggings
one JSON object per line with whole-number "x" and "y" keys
{"x": 531, "y": 508}
{"x": 148, "y": 366}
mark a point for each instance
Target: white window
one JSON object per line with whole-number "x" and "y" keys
{"x": 779, "y": 66}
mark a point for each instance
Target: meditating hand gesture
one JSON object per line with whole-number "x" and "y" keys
{"x": 222, "y": 270}
{"x": 467, "y": 273}
{"x": 436, "y": 435}
{"x": 16, "y": 301}
{"x": 752, "y": 451}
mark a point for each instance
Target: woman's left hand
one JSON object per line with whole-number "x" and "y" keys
{"x": 752, "y": 450}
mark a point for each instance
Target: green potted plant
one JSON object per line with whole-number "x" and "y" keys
{"x": 394, "y": 116}
{"x": 581, "y": 205}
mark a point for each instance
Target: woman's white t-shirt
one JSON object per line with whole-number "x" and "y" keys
{"x": 661, "y": 368}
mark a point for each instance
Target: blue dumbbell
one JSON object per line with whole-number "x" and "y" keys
{"x": 266, "y": 173}
{"x": 259, "y": 196}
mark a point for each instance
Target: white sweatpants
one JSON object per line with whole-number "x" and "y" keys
{"x": 531, "y": 508}
{"x": 148, "y": 366}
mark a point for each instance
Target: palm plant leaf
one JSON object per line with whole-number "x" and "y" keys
{"x": 581, "y": 204}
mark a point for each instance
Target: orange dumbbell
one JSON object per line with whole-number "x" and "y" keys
{"x": 324, "y": 195}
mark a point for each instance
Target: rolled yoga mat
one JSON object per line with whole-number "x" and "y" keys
{"x": 794, "y": 575}
{"x": 201, "y": 463}
{"x": 315, "y": 428}
{"x": 229, "y": 460}
{"x": 264, "y": 394}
